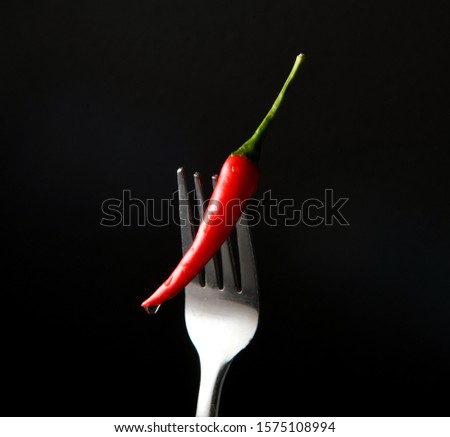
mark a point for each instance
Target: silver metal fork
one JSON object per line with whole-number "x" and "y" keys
{"x": 221, "y": 312}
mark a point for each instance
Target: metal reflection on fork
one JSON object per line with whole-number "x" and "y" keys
{"x": 221, "y": 312}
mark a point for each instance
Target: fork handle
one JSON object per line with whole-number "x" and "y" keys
{"x": 211, "y": 382}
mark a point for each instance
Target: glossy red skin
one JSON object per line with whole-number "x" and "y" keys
{"x": 236, "y": 184}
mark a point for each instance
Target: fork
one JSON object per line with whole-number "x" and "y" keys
{"x": 221, "y": 312}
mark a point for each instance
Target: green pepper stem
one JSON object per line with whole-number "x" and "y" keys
{"x": 252, "y": 147}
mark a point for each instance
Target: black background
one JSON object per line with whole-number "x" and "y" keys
{"x": 98, "y": 97}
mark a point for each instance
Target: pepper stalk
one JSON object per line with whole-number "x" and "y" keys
{"x": 251, "y": 149}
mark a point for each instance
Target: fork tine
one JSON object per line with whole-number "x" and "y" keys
{"x": 210, "y": 267}
{"x": 247, "y": 261}
{"x": 229, "y": 276}
{"x": 185, "y": 212}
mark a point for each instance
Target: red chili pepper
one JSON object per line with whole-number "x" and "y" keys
{"x": 236, "y": 184}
